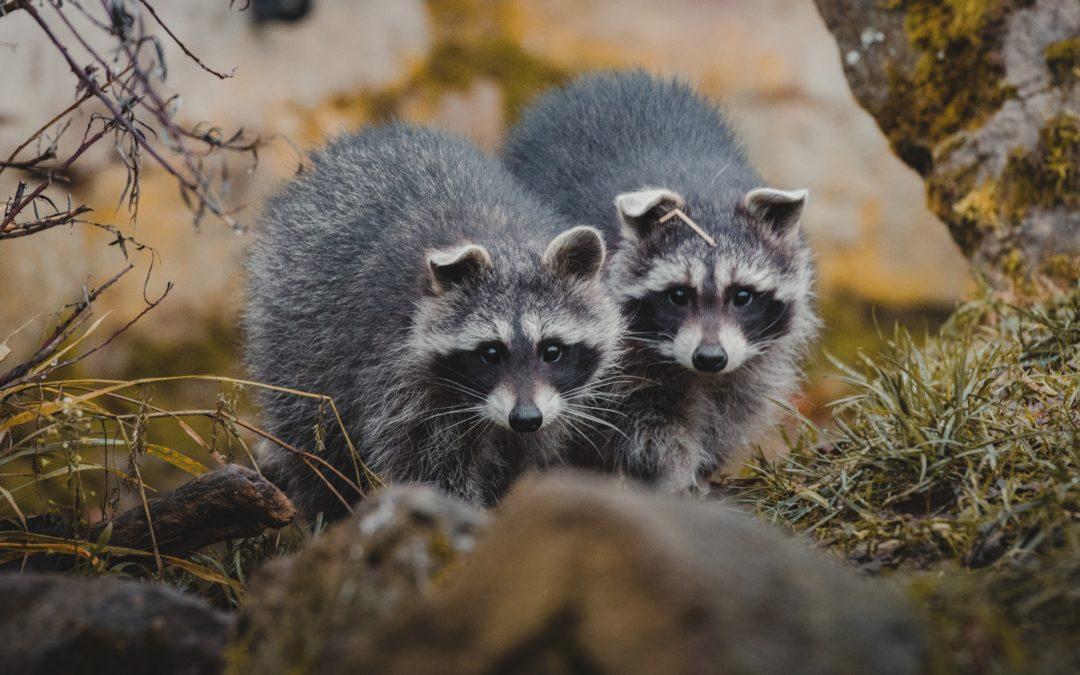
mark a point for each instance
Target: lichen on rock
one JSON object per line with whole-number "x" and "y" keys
{"x": 981, "y": 98}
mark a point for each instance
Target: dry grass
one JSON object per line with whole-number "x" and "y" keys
{"x": 961, "y": 457}
{"x": 74, "y": 452}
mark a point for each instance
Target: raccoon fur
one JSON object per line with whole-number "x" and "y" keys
{"x": 715, "y": 333}
{"x": 456, "y": 322}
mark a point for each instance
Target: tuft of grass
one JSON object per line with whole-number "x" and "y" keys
{"x": 956, "y": 464}
{"x": 74, "y": 452}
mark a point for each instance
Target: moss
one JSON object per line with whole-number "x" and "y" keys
{"x": 473, "y": 42}
{"x": 1045, "y": 177}
{"x": 957, "y": 80}
{"x": 1063, "y": 60}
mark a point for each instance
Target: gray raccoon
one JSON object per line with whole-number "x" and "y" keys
{"x": 406, "y": 277}
{"x": 716, "y": 334}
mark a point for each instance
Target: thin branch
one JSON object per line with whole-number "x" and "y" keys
{"x": 59, "y": 116}
{"x": 182, "y": 46}
{"x": 27, "y": 229}
{"x": 60, "y": 333}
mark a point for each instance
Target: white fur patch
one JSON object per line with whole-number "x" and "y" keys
{"x": 533, "y": 327}
{"x": 683, "y": 346}
{"x": 760, "y": 278}
{"x": 471, "y": 255}
{"x": 549, "y": 402}
{"x": 429, "y": 339}
{"x": 665, "y": 274}
{"x": 498, "y": 404}
{"x": 565, "y": 328}
{"x": 632, "y": 205}
{"x": 738, "y": 350}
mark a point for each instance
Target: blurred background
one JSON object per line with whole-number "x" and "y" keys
{"x": 307, "y": 70}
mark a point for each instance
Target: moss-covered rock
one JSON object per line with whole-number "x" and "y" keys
{"x": 980, "y": 97}
{"x": 397, "y": 547}
{"x": 579, "y": 574}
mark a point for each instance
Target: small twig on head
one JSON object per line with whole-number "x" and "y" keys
{"x": 693, "y": 226}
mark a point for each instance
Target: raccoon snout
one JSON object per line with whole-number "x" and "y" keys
{"x": 709, "y": 358}
{"x": 526, "y": 418}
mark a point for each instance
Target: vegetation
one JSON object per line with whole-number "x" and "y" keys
{"x": 957, "y": 465}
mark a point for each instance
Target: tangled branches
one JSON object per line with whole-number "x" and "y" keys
{"x": 123, "y": 89}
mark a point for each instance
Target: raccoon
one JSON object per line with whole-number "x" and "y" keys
{"x": 718, "y": 321}
{"x": 407, "y": 277}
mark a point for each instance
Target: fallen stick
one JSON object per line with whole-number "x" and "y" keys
{"x": 231, "y": 503}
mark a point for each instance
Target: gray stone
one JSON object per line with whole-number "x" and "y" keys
{"x": 968, "y": 99}
{"x": 56, "y": 624}
{"x": 578, "y": 574}
{"x": 391, "y": 552}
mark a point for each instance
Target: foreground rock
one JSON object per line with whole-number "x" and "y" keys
{"x": 981, "y": 99}
{"x": 55, "y": 624}
{"x": 575, "y": 574}
{"x": 389, "y": 554}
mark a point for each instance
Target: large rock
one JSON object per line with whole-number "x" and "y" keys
{"x": 580, "y": 575}
{"x": 982, "y": 99}
{"x": 390, "y": 553}
{"x": 55, "y": 624}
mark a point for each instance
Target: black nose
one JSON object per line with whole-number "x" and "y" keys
{"x": 526, "y": 418}
{"x": 710, "y": 358}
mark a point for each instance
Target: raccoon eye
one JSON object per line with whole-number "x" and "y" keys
{"x": 491, "y": 353}
{"x": 742, "y": 297}
{"x": 551, "y": 352}
{"x": 679, "y": 296}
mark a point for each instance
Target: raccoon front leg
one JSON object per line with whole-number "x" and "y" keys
{"x": 668, "y": 456}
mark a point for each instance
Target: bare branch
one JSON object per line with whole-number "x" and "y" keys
{"x": 182, "y": 46}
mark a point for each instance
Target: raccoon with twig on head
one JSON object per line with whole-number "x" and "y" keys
{"x": 712, "y": 271}
{"x": 406, "y": 277}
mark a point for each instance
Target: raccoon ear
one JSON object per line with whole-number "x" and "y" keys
{"x": 452, "y": 266}
{"x": 778, "y": 210}
{"x": 641, "y": 211}
{"x": 577, "y": 253}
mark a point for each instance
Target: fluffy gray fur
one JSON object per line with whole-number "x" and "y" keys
{"x": 347, "y": 298}
{"x": 651, "y": 145}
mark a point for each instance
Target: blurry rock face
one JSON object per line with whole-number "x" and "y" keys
{"x": 575, "y": 574}
{"x": 983, "y": 100}
{"x": 53, "y": 624}
{"x": 393, "y": 551}
{"x": 468, "y": 66}
{"x": 773, "y": 65}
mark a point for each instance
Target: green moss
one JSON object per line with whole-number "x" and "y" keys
{"x": 1063, "y": 60}
{"x": 497, "y": 58}
{"x": 957, "y": 81}
{"x": 1047, "y": 176}
{"x": 473, "y": 42}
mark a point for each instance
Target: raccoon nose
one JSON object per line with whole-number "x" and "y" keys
{"x": 526, "y": 418}
{"x": 709, "y": 358}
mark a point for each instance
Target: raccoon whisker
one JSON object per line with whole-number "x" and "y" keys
{"x": 593, "y": 390}
{"x": 481, "y": 421}
{"x": 592, "y": 418}
{"x": 595, "y": 407}
{"x": 456, "y": 411}
{"x": 458, "y": 387}
{"x": 575, "y": 429}
{"x": 766, "y": 329}
{"x": 463, "y": 376}
{"x": 470, "y": 418}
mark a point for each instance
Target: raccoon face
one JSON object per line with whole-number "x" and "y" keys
{"x": 513, "y": 341}
{"x": 709, "y": 308}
